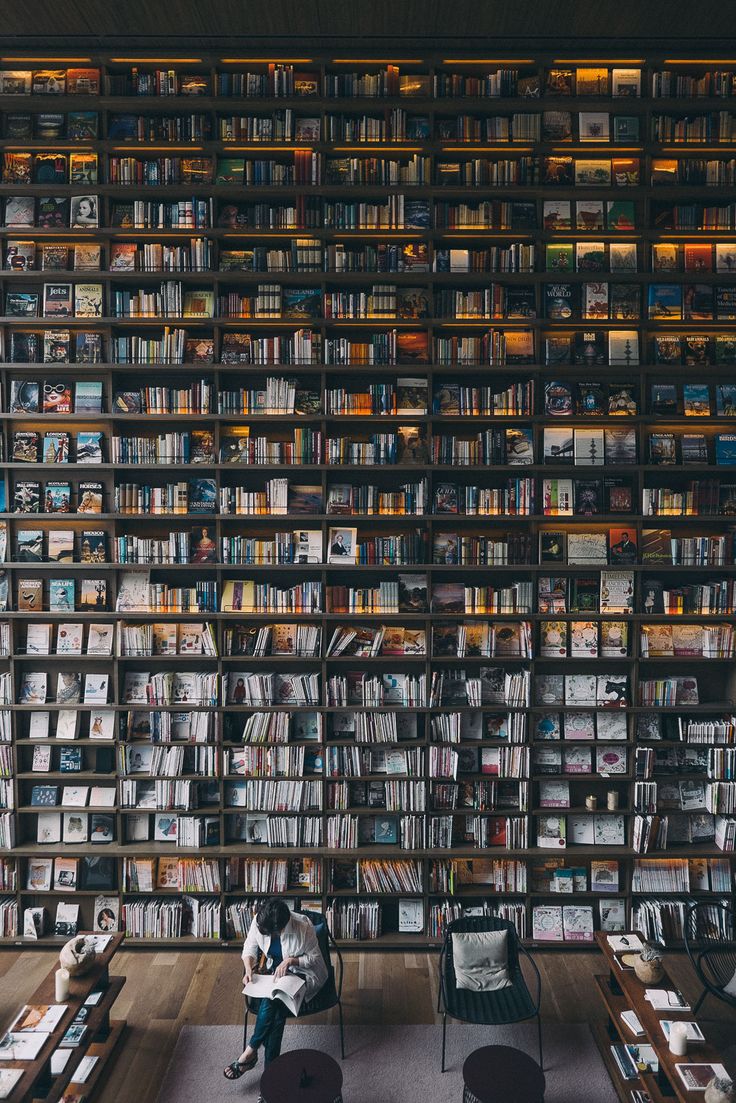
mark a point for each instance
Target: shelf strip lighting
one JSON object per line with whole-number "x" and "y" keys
{"x": 51, "y": 60}
{"x": 598, "y": 61}
{"x": 168, "y": 149}
{"x": 378, "y": 61}
{"x": 159, "y": 60}
{"x": 488, "y": 61}
{"x": 266, "y": 60}
{"x": 467, "y": 148}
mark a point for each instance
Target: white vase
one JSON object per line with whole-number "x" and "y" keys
{"x": 719, "y": 1091}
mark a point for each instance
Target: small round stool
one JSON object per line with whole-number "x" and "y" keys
{"x": 498, "y": 1074}
{"x": 302, "y": 1076}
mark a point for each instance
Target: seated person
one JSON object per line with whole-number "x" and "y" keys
{"x": 290, "y": 944}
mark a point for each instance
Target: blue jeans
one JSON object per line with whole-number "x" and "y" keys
{"x": 269, "y": 1028}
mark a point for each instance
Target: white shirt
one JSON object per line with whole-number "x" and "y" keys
{"x": 298, "y": 940}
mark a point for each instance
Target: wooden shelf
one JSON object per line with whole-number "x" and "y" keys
{"x": 718, "y": 688}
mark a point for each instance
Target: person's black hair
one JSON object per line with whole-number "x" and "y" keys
{"x": 272, "y": 917}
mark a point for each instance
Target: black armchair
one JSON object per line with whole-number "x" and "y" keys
{"x": 711, "y": 946}
{"x": 330, "y": 994}
{"x": 513, "y": 1004}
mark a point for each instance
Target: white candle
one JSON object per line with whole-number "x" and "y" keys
{"x": 61, "y": 985}
{"x": 678, "y": 1039}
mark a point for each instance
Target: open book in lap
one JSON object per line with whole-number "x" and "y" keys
{"x": 290, "y": 990}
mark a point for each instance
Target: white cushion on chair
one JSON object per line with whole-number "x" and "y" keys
{"x": 480, "y": 960}
{"x": 730, "y": 988}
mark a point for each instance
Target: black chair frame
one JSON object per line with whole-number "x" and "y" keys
{"x": 329, "y": 996}
{"x": 515, "y": 948}
{"x": 704, "y": 954}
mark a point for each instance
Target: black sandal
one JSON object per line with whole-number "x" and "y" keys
{"x": 237, "y": 1068}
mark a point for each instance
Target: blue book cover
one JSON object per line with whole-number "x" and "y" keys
{"x": 726, "y": 449}
{"x": 665, "y": 300}
{"x": 202, "y": 494}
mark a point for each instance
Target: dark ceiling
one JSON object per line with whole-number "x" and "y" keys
{"x": 160, "y": 23}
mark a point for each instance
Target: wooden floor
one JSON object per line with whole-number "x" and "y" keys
{"x": 165, "y": 991}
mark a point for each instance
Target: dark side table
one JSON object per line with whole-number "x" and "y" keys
{"x": 302, "y": 1076}
{"x": 498, "y": 1074}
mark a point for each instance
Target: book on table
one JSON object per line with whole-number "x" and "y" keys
{"x": 290, "y": 989}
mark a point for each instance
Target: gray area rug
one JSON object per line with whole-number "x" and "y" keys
{"x": 397, "y": 1064}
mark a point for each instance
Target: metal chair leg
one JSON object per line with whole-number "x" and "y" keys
{"x": 245, "y": 1027}
{"x": 444, "y": 1036}
{"x": 539, "y": 1034}
{"x": 697, "y": 1005}
{"x": 342, "y": 1029}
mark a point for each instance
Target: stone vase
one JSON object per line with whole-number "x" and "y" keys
{"x": 649, "y": 972}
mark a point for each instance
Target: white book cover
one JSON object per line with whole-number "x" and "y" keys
{"x": 17, "y": 1046}
{"x": 96, "y": 688}
{"x": 74, "y": 796}
{"x": 69, "y": 639}
{"x": 8, "y": 1081}
{"x": 137, "y": 827}
{"x": 84, "y": 1069}
{"x": 102, "y": 724}
{"x": 38, "y": 639}
{"x": 48, "y": 827}
{"x": 133, "y": 592}
{"x": 39, "y": 1018}
{"x": 547, "y": 923}
{"x": 33, "y": 688}
{"x": 102, "y": 796}
{"x": 135, "y": 688}
{"x": 100, "y": 639}
{"x": 39, "y": 725}
{"x": 76, "y": 828}
{"x": 66, "y": 724}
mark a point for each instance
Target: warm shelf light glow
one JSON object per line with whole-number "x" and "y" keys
{"x": 598, "y": 61}
{"x": 378, "y": 149}
{"x": 377, "y": 61}
{"x": 467, "y": 148}
{"x": 699, "y": 61}
{"x": 51, "y": 60}
{"x": 57, "y": 147}
{"x": 266, "y": 60}
{"x": 159, "y": 60}
{"x": 598, "y": 147}
{"x": 694, "y": 148}
{"x": 168, "y": 149}
{"x": 488, "y": 61}
{"x": 257, "y": 146}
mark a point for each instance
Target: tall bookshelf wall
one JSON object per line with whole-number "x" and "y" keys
{"x": 455, "y": 756}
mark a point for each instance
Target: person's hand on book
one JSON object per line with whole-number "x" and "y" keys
{"x": 286, "y": 964}
{"x": 248, "y": 965}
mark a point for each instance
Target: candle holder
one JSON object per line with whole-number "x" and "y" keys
{"x": 678, "y": 1039}
{"x": 612, "y": 801}
{"x": 591, "y": 803}
{"x": 61, "y": 985}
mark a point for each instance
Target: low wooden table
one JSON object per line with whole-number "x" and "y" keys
{"x": 37, "y": 1083}
{"x": 621, "y": 990}
{"x": 499, "y": 1074}
{"x": 281, "y": 1080}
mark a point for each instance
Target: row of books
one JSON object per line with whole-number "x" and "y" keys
{"x": 382, "y": 79}
{"x": 391, "y": 124}
{"x": 283, "y": 79}
{"x": 568, "y": 302}
{"x": 313, "y": 255}
{"x": 615, "y": 546}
